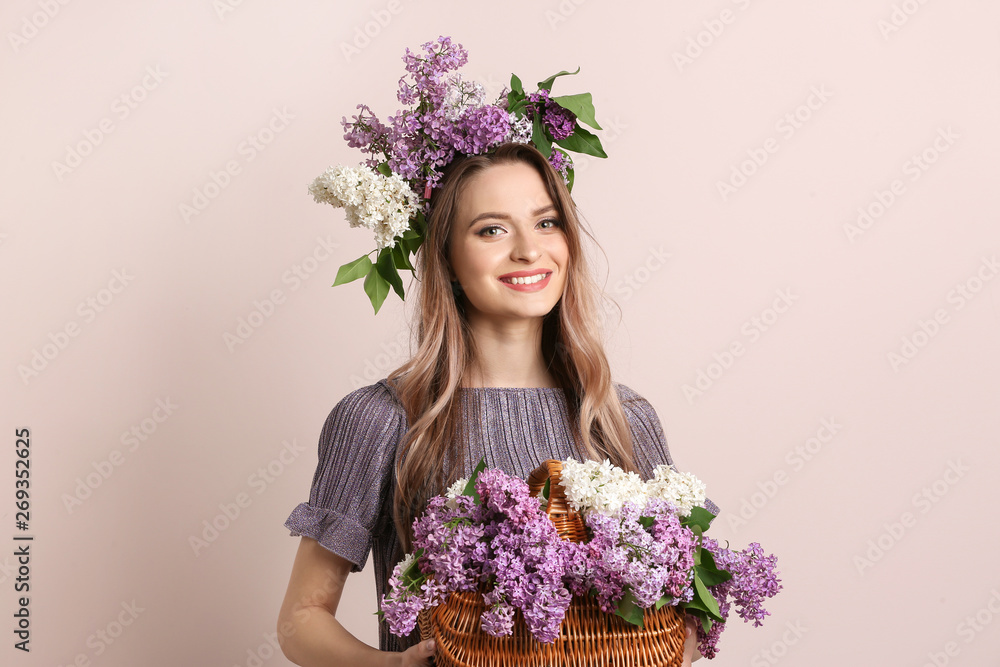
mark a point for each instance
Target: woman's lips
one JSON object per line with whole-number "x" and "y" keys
{"x": 530, "y": 286}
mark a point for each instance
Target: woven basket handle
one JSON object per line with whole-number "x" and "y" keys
{"x": 567, "y": 522}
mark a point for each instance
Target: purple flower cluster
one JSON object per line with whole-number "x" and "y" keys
{"x": 419, "y": 141}
{"x": 506, "y": 542}
{"x": 623, "y": 555}
{"x": 524, "y": 560}
{"x": 560, "y": 122}
{"x": 754, "y": 579}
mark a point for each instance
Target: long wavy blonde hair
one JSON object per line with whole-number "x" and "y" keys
{"x": 427, "y": 384}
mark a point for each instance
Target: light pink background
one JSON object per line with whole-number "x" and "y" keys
{"x": 881, "y": 93}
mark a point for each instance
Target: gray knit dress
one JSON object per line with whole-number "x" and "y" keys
{"x": 350, "y": 503}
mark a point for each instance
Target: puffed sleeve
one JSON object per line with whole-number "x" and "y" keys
{"x": 649, "y": 443}
{"x": 349, "y": 497}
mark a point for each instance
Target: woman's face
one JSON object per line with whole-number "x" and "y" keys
{"x": 507, "y": 246}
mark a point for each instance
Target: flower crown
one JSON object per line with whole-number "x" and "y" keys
{"x": 448, "y": 118}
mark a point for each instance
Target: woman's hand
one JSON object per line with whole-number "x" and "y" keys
{"x": 691, "y": 642}
{"x": 419, "y": 654}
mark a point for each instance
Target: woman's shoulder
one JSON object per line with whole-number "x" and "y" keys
{"x": 627, "y": 395}
{"x": 373, "y": 402}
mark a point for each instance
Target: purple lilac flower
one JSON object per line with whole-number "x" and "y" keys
{"x": 754, "y": 579}
{"x": 560, "y": 122}
{"x": 427, "y": 71}
{"x": 627, "y": 557}
{"x": 480, "y": 129}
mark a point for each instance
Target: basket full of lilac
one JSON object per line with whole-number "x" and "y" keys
{"x": 581, "y": 564}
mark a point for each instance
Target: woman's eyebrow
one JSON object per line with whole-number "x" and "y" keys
{"x": 504, "y": 216}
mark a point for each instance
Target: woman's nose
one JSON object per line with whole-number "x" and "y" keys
{"x": 525, "y": 248}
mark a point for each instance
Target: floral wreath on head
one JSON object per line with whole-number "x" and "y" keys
{"x": 448, "y": 117}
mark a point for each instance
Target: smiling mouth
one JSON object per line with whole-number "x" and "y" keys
{"x": 529, "y": 280}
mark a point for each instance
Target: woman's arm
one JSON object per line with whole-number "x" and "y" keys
{"x": 308, "y": 631}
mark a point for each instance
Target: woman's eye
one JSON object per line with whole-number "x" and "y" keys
{"x": 488, "y": 231}
{"x": 552, "y": 222}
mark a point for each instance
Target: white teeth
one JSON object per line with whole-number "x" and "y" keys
{"x": 526, "y": 281}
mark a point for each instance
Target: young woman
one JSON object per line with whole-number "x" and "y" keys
{"x": 509, "y": 367}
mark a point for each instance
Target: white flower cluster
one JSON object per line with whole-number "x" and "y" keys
{"x": 461, "y": 95}
{"x": 602, "y": 487}
{"x": 383, "y": 204}
{"x": 520, "y": 129}
{"x": 454, "y": 491}
{"x": 682, "y": 489}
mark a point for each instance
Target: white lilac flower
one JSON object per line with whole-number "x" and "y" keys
{"x": 461, "y": 95}
{"x": 520, "y": 129}
{"x": 600, "y": 487}
{"x": 383, "y": 204}
{"x": 682, "y": 489}
{"x": 454, "y": 491}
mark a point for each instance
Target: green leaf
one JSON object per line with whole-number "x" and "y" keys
{"x": 630, "y": 610}
{"x": 420, "y": 223}
{"x": 538, "y": 136}
{"x": 662, "y": 602}
{"x": 377, "y": 289}
{"x": 547, "y": 84}
{"x": 515, "y": 84}
{"x": 582, "y": 105}
{"x": 385, "y": 171}
{"x": 359, "y": 268}
{"x": 646, "y": 521}
{"x": 703, "y": 595}
{"x": 470, "y": 488}
{"x": 712, "y": 577}
{"x": 388, "y": 271}
{"x": 583, "y": 141}
{"x": 411, "y": 241}
{"x": 546, "y": 489}
{"x": 699, "y": 517}
{"x": 399, "y": 257}
{"x": 412, "y": 575}
{"x": 570, "y": 177}
{"x": 708, "y": 570}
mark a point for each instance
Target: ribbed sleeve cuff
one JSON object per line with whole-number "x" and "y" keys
{"x": 334, "y": 531}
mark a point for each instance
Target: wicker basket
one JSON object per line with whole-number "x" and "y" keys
{"x": 589, "y": 637}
